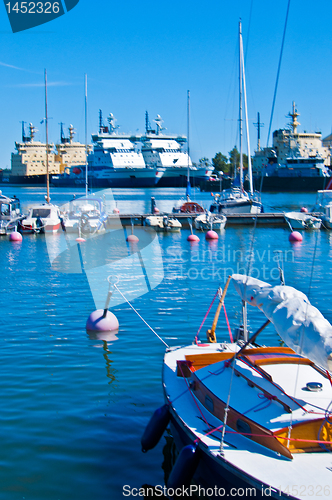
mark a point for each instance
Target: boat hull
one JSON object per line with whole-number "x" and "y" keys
{"x": 290, "y": 184}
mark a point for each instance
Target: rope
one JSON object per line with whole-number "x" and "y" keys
{"x": 206, "y": 315}
{"x": 153, "y": 331}
{"x": 228, "y": 325}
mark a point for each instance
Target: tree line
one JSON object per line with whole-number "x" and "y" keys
{"x": 221, "y": 163}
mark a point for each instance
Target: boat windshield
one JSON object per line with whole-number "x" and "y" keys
{"x": 41, "y": 212}
{"x": 5, "y": 209}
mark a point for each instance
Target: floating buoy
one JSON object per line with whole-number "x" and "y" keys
{"x": 295, "y": 236}
{"x": 156, "y": 210}
{"x": 133, "y": 238}
{"x": 304, "y": 209}
{"x": 15, "y": 236}
{"x": 155, "y": 428}
{"x": 184, "y": 467}
{"x": 80, "y": 240}
{"x": 211, "y": 235}
{"x": 102, "y": 321}
{"x": 116, "y": 210}
{"x": 193, "y": 237}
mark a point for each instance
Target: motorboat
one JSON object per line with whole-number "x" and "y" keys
{"x": 258, "y": 417}
{"x": 323, "y": 207}
{"x": 208, "y": 221}
{"x": 84, "y": 215}
{"x": 302, "y": 220}
{"x": 41, "y": 218}
{"x": 163, "y": 223}
{"x": 10, "y": 214}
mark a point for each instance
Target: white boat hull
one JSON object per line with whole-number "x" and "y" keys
{"x": 301, "y": 220}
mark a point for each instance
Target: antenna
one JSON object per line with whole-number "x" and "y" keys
{"x": 258, "y": 125}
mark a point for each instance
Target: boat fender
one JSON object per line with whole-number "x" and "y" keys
{"x": 155, "y": 428}
{"x": 184, "y": 467}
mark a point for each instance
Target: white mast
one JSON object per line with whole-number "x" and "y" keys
{"x": 246, "y": 113}
{"x": 48, "y": 199}
{"x": 188, "y": 150}
{"x": 86, "y": 134}
{"x": 240, "y": 104}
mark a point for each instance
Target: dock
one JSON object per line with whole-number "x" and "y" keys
{"x": 264, "y": 219}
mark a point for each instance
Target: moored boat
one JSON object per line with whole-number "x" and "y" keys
{"x": 253, "y": 416}
{"x": 302, "y": 220}
{"x": 41, "y": 218}
{"x": 208, "y": 221}
{"x": 163, "y": 223}
{"x": 84, "y": 215}
{"x": 10, "y": 214}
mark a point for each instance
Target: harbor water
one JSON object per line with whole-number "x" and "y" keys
{"x": 73, "y": 406}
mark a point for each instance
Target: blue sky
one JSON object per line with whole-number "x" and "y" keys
{"x": 145, "y": 56}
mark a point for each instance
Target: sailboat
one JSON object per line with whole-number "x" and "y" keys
{"x": 252, "y": 416}
{"x": 188, "y": 207}
{"x": 43, "y": 217}
{"x": 236, "y": 199}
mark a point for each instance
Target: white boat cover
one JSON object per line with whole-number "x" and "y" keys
{"x": 301, "y": 325}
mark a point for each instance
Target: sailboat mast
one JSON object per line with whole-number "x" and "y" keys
{"x": 240, "y": 104}
{"x": 246, "y": 116}
{"x": 46, "y": 125}
{"x": 188, "y": 148}
{"x": 86, "y": 132}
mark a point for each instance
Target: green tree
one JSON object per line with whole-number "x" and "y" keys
{"x": 220, "y": 163}
{"x": 234, "y": 160}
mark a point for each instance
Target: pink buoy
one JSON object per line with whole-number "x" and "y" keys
{"x": 132, "y": 238}
{"x": 80, "y": 240}
{"x": 193, "y": 237}
{"x": 156, "y": 210}
{"x": 116, "y": 211}
{"x": 211, "y": 235}
{"x": 98, "y": 321}
{"x": 15, "y": 236}
{"x": 304, "y": 210}
{"x": 295, "y": 236}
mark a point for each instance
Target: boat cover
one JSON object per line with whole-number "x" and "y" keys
{"x": 301, "y": 325}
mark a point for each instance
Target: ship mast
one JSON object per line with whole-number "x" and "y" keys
{"x": 48, "y": 199}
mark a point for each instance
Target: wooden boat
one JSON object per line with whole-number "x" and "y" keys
{"x": 302, "y": 220}
{"x": 208, "y": 221}
{"x": 253, "y": 416}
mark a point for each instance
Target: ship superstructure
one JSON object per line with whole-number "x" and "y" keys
{"x": 297, "y": 161}
{"x": 289, "y": 143}
{"x": 30, "y": 158}
{"x": 70, "y": 153}
{"x": 168, "y": 152}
